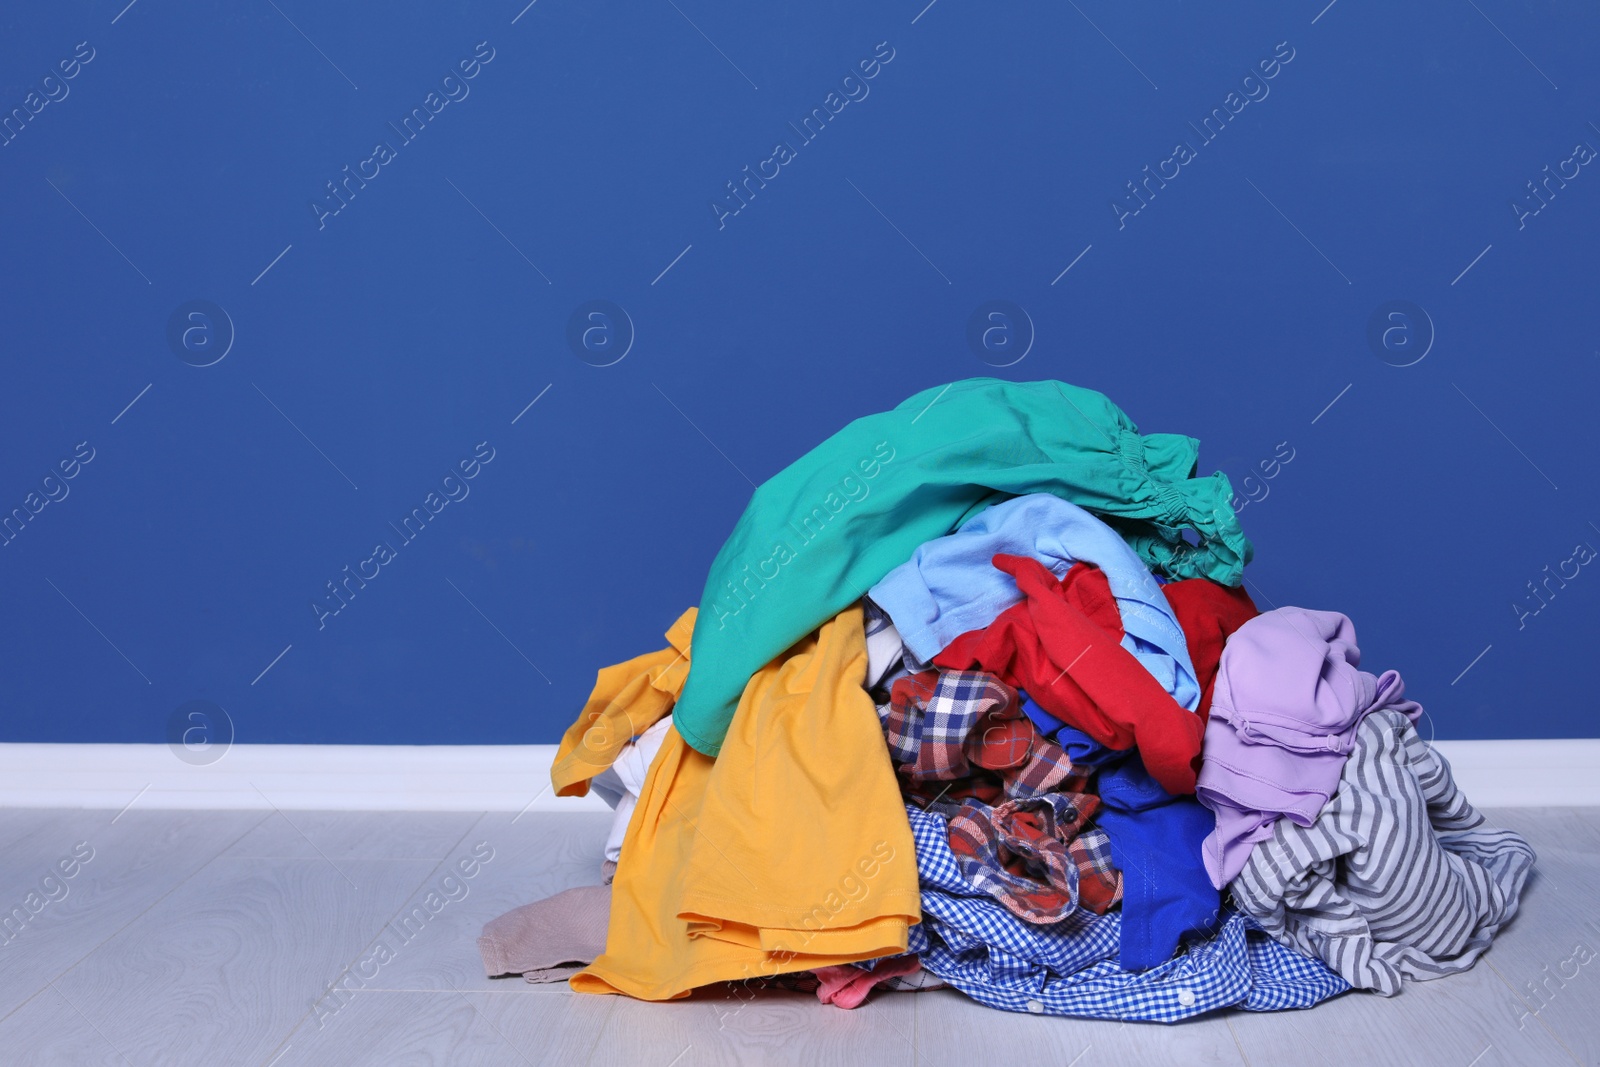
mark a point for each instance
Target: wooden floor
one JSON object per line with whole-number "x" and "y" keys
{"x": 210, "y": 938}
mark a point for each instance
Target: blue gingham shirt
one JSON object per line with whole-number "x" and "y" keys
{"x": 1070, "y": 968}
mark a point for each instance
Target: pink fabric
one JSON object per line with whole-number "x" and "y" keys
{"x": 847, "y": 986}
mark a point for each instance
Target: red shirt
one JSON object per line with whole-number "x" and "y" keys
{"x": 1062, "y": 645}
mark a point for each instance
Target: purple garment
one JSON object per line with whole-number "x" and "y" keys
{"x": 1289, "y": 696}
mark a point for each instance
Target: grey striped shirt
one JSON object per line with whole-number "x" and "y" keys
{"x": 1397, "y": 878}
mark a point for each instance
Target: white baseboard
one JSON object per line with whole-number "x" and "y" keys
{"x": 294, "y": 777}
{"x": 1494, "y": 774}
{"x": 1553, "y": 773}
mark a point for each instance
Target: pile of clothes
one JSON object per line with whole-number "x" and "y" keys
{"x": 976, "y": 696}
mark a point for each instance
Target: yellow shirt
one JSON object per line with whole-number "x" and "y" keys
{"x": 789, "y": 851}
{"x": 627, "y": 700}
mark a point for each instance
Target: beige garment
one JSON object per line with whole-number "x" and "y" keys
{"x": 551, "y": 939}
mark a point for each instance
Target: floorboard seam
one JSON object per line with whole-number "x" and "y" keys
{"x": 135, "y": 918}
{"x": 916, "y": 1031}
{"x": 379, "y": 932}
{"x": 600, "y": 1031}
{"x": 1484, "y": 959}
{"x": 1236, "y": 1042}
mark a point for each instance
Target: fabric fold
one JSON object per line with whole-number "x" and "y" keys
{"x": 1397, "y": 878}
{"x": 1070, "y": 968}
{"x": 848, "y": 986}
{"x": 789, "y": 852}
{"x": 1062, "y": 645}
{"x": 1034, "y": 856}
{"x": 1289, "y": 695}
{"x": 1208, "y": 613}
{"x": 816, "y": 535}
{"x": 1019, "y": 809}
{"x": 630, "y": 769}
{"x": 1155, "y": 841}
{"x": 548, "y": 940}
{"x": 950, "y": 586}
{"x": 628, "y": 698}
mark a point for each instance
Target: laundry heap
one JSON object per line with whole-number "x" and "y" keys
{"x": 975, "y": 697}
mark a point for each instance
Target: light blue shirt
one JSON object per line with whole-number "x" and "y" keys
{"x": 950, "y": 584}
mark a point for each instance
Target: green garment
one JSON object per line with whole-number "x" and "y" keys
{"x": 822, "y": 531}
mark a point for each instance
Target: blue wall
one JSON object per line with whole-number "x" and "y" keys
{"x": 372, "y": 344}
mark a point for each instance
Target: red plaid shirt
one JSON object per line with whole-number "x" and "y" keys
{"x": 1019, "y": 808}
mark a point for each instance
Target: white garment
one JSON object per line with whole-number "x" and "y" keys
{"x": 630, "y": 768}
{"x": 884, "y": 649}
